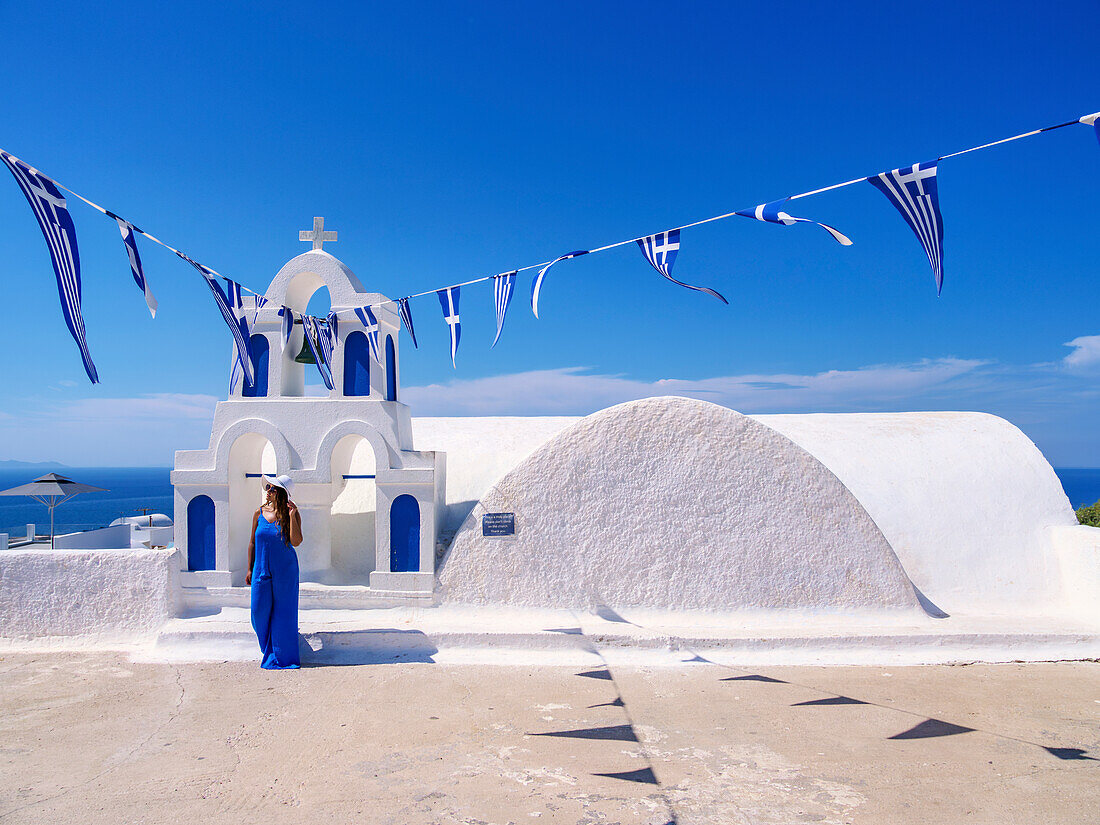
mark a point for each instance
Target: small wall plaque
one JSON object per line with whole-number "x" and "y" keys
{"x": 498, "y": 524}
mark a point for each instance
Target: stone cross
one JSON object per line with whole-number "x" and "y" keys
{"x": 319, "y": 235}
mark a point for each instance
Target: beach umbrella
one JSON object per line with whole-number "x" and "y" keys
{"x": 51, "y": 490}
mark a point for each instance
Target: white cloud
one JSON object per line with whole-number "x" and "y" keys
{"x": 1086, "y": 352}
{"x": 574, "y": 390}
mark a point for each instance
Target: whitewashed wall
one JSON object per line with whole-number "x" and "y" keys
{"x": 674, "y": 503}
{"x": 86, "y": 596}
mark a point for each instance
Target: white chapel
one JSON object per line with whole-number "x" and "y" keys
{"x": 370, "y": 504}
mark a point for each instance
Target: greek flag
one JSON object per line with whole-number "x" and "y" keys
{"x": 407, "y": 318}
{"x": 333, "y": 328}
{"x": 236, "y": 303}
{"x": 503, "y": 285}
{"x": 660, "y": 250}
{"x": 771, "y": 213}
{"x": 240, "y": 339}
{"x": 370, "y": 327}
{"x": 1094, "y": 122}
{"x": 128, "y": 239}
{"x": 321, "y": 346}
{"x": 913, "y": 191}
{"x": 448, "y": 299}
{"x": 57, "y": 228}
{"x": 288, "y": 325}
{"x": 536, "y": 285}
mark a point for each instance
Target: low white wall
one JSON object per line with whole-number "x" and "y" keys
{"x": 964, "y": 498}
{"x": 85, "y": 596}
{"x": 673, "y": 503}
{"x": 105, "y": 538}
{"x": 1078, "y": 551}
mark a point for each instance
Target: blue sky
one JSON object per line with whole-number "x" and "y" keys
{"x": 445, "y": 142}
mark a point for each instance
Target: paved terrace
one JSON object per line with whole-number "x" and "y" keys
{"x": 97, "y": 738}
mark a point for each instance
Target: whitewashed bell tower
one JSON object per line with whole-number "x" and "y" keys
{"x": 370, "y": 503}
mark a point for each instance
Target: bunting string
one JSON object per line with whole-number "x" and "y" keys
{"x": 912, "y": 190}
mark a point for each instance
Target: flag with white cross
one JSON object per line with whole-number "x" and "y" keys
{"x": 229, "y": 314}
{"x": 370, "y": 327}
{"x": 914, "y": 193}
{"x": 448, "y": 300}
{"x": 660, "y": 250}
{"x": 57, "y": 228}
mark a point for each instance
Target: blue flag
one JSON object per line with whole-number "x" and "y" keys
{"x": 130, "y": 242}
{"x": 771, "y": 213}
{"x": 660, "y": 250}
{"x": 57, "y": 228}
{"x": 536, "y": 284}
{"x": 407, "y": 318}
{"x": 448, "y": 299}
{"x": 914, "y": 193}
{"x": 232, "y": 316}
{"x": 503, "y": 286}
{"x": 370, "y": 327}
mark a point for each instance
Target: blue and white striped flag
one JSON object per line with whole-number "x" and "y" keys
{"x": 288, "y": 325}
{"x": 128, "y": 239}
{"x": 536, "y": 284}
{"x": 1093, "y": 121}
{"x": 771, "y": 213}
{"x": 503, "y": 286}
{"x": 407, "y": 318}
{"x": 321, "y": 347}
{"x": 229, "y": 314}
{"x": 57, "y": 228}
{"x": 333, "y": 328}
{"x": 448, "y": 299}
{"x": 660, "y": 250}
{"x": 370, "y": 327}
{"x": 236, "y": 303}
{"x": 913, "y": 191}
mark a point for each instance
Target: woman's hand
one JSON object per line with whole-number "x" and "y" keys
{"x": 248, "y": 578}
{"x": 291, "y": 507}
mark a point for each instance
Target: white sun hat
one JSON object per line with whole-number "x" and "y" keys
{"x": 280, "y": 481}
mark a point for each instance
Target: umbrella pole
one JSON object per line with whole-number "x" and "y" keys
{"x": 51, "y": 526}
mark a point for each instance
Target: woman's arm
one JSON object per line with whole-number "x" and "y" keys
{"x": 251, "y": 548}
{"x": 295, "y": 525}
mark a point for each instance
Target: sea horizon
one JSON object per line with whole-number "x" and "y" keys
{"x": 128, "y": 490}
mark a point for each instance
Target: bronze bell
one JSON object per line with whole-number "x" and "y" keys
{"x": 306, "y": 355}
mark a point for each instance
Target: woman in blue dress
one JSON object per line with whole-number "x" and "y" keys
{"x": 273, "y": 575}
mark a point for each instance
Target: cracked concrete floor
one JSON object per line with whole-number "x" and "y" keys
{"x": 95, "y": 738}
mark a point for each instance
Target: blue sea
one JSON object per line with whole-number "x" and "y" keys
{"x": 128, "y": 489}
{"x": 131, "y": 488}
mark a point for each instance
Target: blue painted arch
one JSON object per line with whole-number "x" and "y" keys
{"x": 200, "y": 534}
{"x": 391, "y": 369}
{"x": 356, "y": 364}
{"x": 259, "y": 346}
{"x": 404, "y": 535}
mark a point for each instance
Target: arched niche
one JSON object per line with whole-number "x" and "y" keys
{"x": 356, "y": 364}
{"x": 250, "y": 455}
{"x": 352, "y": 515}
{"x": 257, "y": 389}
{"x": 201, "y": 542}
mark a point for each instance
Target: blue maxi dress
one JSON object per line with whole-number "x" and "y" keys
{"x": 275, "y": 597}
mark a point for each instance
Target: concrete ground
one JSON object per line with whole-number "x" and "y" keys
{"x": 96, "y": 738}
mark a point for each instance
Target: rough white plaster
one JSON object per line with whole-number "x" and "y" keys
{"x": 674, "y": 503}
{"x": 965, "y": 500}
{"x": 480, "y": 451}
{"x": 105, "y": 596}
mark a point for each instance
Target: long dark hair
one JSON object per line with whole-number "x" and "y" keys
{"x": 282, "y": 512}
